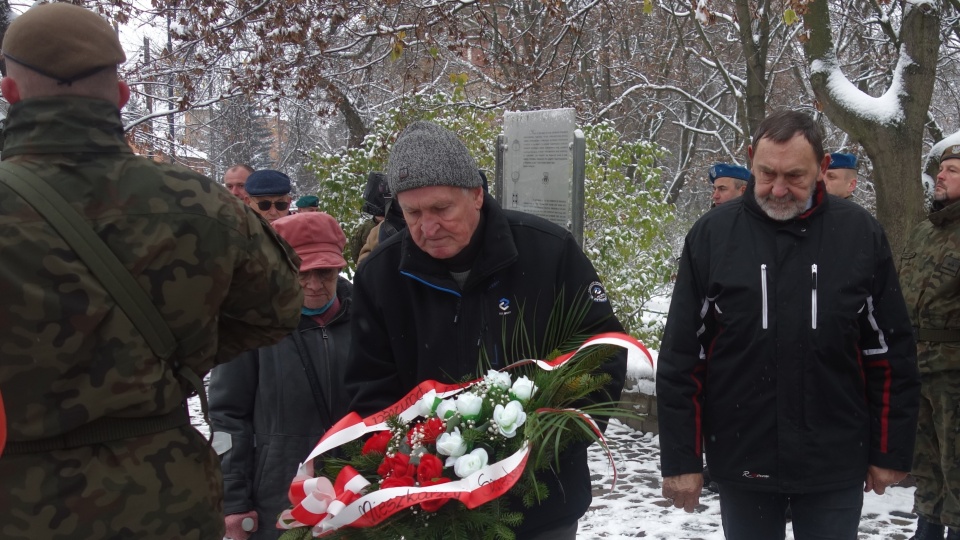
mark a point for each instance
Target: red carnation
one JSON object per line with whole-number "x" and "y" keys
{"x": 429, "y": 470}
{"x": 396, "y": 465}
{"x": 435, "y": 504}
{"x": 378, "y": 443}
{"x": 398, "y": 481}
{"x": 429, "y": 431}
{"x": 432, "y": 429}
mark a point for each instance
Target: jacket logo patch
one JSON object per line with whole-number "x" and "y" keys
{"x": 748, "y": 474}
{"x": 950, "y": 266}
{"x": 597, "y": 292}
{"x": 504, "y": 306}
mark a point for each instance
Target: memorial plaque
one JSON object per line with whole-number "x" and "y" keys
{"x": 538, "y": 163}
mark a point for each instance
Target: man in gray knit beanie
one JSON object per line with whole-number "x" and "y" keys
{"x": 430, "y": 169}
{"x": 467, "y": 280}
{"x": 426, "y": 154}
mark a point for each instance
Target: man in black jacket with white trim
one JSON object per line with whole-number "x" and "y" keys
{"x": 460, "y": 286}
{"x": 788, "y": 350}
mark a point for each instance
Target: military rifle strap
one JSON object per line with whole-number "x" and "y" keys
{"x": 103, "y": 264}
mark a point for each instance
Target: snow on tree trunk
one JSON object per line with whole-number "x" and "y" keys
{"x": 889, "y": 127}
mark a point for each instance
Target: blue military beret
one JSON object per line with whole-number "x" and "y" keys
{"x": 721, "y": 170}
{"x": 267, "y": 182}
{"x": 840, "y": 160}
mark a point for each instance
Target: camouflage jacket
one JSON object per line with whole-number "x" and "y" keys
{"x": 930, "y": 278}
{"x": 221, "y": 278}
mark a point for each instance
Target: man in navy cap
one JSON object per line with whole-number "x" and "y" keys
{"x": 728, "y": 181}
{"x": 269, "y": 193}
{"x": 841, "y": 176}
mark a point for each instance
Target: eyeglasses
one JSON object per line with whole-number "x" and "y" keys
{"x": 323, "y": 274}
{"x": 280, "y": 205}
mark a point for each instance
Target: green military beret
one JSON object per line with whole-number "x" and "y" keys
{"x": 62, "y": 41}
{"x": 308, "y": 200}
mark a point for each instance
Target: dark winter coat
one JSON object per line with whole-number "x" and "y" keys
{"x": 73, "y": 363}
{"x": 412, "y": 322}
{"x": 264, "y": 402}
{"x": 787, "y": 350}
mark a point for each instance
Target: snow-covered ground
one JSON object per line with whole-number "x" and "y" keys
{"x": 635, "y": 508}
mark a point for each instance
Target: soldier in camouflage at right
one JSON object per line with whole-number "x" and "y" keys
{"x": 930, "y": 279}
{"x": 99, "y": 444}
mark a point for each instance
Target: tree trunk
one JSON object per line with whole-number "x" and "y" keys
{"x": 755, "y": 47}
{"x": 355, "y": 126}
{"x": 893, "y": 142}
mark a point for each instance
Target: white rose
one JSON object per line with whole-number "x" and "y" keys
{"x": 498, "y": 379}
{"x": 428, "y": 404}
{"x": 469, "y": 405}
{"x": 509, "y": 418}
{"x": 470, "y": 463}
{"x": 523, "y": 388}
{"x": 451, "y": 444}
{"x": 446, "y": 409}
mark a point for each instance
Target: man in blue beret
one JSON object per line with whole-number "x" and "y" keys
{"x": 728, "y": 181}
{"x": 269, "y": 193}
{"x": 841, "y": 176}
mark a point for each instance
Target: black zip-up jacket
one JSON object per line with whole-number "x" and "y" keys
{"x": 788, "y": 350}
{"x": 412, "y": 322}
{"x": 266, "y": 405}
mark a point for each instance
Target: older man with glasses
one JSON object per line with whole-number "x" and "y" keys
{"x": 270, "y": 406}
{"x": 269, "y": 193}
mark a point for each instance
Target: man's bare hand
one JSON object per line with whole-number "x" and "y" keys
{"x": 683, "y": 490}
{"x": 878, "y": 479}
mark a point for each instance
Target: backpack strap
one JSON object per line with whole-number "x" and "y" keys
{"x": 104, "y": 265}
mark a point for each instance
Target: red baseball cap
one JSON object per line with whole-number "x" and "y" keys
{"x": 316, "y": 237}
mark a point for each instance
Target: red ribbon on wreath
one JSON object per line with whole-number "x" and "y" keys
{"x": 328, "y": 507}
{"x": 316, "y": 499}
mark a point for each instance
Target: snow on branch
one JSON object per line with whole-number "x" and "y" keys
{"x": 885, "y": 109}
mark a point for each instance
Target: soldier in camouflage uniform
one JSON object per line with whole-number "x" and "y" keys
{"x": 71, "y": 362}
{"x": 930, "y": 278}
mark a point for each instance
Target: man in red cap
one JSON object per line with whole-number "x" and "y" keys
{"x": 269, "y": 407}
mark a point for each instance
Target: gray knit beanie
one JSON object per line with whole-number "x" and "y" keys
{"x": 426, "y": 154}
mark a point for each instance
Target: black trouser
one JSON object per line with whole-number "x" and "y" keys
{"x": 759, "y": 515}
{"x": 565, "y": 532}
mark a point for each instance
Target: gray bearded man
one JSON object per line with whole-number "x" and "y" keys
{"x": 787, "y": 351}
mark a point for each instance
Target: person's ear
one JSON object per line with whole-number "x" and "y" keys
{"x": 478, "y": 197}
{"x": 10, "y": 90}
{"x": 124, "y": 95}
{"x": 824, "y": 165}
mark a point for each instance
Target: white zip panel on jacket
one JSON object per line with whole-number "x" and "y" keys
{"x": 763, "y": 289}
{"x": 813, "y": 296}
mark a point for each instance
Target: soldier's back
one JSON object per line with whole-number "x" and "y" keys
{"x": 218, "y": 275}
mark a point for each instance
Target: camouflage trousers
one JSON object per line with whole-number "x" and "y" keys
{"x": 164, "y": 486}
{"x": 936, "y": 461}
